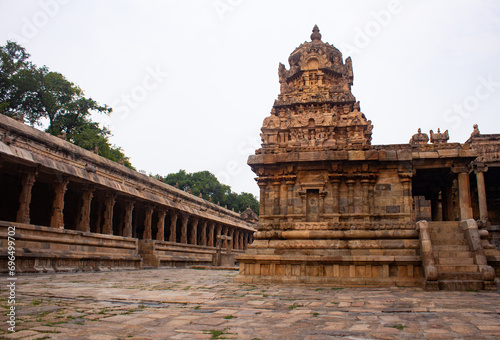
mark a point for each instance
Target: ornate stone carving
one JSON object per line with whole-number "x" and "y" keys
{"x": 439, "y": 138}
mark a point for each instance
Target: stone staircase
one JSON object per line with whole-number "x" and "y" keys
{"x": 455, "y": 263}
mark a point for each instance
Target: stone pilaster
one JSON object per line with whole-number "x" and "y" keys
{"x": 160, "y": 226}
{"x": 350, "y": 195}
{"x": 57, "y": 217}
{"x": 289, "y": 184}
{"x": 335, "y": 194}
{"x": 109, "y": 203}
{"x": 84, "y": 213}
{"x": 276, "y": 197}
{"x": 262, "y": 187}
{"x": 27, "y": 182}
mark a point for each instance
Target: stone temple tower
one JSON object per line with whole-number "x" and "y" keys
{"x": 336, "y": 209}
{"x": 329, "y": 200}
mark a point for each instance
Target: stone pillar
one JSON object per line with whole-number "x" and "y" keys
{"x": 210, "y": 241}
{"x": 173, "y": 227}
{"x": 127, "y": 220}
{"x": 27, "y": 181}
{"x": 245, "y": 241}
{"x": 464, "y": 196}
{"x": 185, "y": 219}
{"x": 57, "y": 217}
{"x": 225, "y": 232}
{"x": 84, "y": 214}
{"x": 148, "y": 210}
{"x": 218, "y": 231}
{"x": 481, "y": 193}
{"x": 109, "y": 203}
{"x": 193, "y": 236}
{"x": 231, "y": 234}
{"x": 335, "y": 194}
{"x": 407, "y": 196}
{"x": 160, "y": 226}
{"x": 203, "y": 236}
{"x": 350, "y": 195}
{"x": 236, "y": 239}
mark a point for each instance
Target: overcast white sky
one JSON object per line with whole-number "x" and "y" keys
{"x": 191, "y": 81}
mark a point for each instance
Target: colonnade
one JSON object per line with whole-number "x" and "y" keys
{"x": 58, "y": 201}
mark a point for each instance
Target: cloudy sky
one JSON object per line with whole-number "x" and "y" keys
{"x": 190, "y": 82}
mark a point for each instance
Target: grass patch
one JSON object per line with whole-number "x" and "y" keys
{"x": 292, "y": 306}
{"x": 398, "y": 326}
{"x": 50, "y": 324}
{"x": 337, "y": 288}
{"x": 186, "y": 288}
{"x": 36, "y": 302}
{"x": 315, "y": 314}
{"x": 197, "y": 307}
{"x": 217, "y": 333}
{"x": 317, "y": 289}
{"x": 228, "y": 317}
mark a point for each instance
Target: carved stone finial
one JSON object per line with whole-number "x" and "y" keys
{"x": 475, "y": 132}
{"x": 439, "y": 137}
{"x": 419, "y": 138}
{"x": 315, "y": 34}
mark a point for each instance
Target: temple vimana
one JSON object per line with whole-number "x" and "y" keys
{"x": 334, "y": 209}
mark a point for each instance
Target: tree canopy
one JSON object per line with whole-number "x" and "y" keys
{"x": 44, "y": 97}
{"x": 206, "y": 184}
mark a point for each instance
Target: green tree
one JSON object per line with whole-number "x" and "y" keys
{"x": 206, "y": 184}
{"x": 41, "y": 96}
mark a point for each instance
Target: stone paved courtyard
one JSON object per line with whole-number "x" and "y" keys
{"x": 207, "y": 304}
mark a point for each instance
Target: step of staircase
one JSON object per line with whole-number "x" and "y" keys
{"x": 455, "y": 261}
{"x": 446, "y": 268}
{"x": 450, "y": 247}
{"x": 454, "y": 254}
{"x": 460, "y": 276}
{"x": 461, "y": 285}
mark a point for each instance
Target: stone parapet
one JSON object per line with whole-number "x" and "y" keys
{"x": 44, "y": 250}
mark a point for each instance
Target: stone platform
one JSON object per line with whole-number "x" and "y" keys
{"x": 205, "y": 304}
